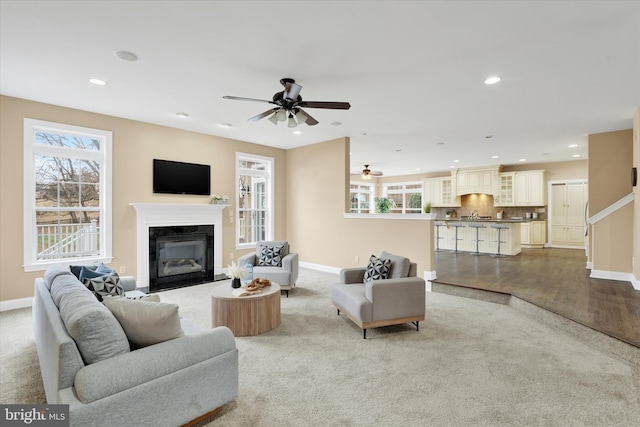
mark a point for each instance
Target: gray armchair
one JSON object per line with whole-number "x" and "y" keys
{"x": 279, "y": 267}
{"x": 398, "y": 299}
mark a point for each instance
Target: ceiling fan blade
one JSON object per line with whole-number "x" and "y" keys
{"x": 262, "y": 115}
{"x": 291, "y": 91}
{"x": 239, "y": 98}
{"x": 322, "y": 104}
{"x": 310, "y": 120}
{"x": 375, "y": 173}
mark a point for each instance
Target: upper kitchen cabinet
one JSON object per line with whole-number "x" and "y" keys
{"x": 530, "y": 188}
{"x": 482, "y": 181}
{"x": 440, "y": 192}
{"x": 505, "y": 195}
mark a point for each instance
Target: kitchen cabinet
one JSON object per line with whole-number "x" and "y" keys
{"x": 567, "y": 213}
{"x": 505, "y": 193}
{"x": 529, "y": 188}
{"x": 480, "y": 181}
{"x": 441, "y": 192}
{"x": 533, "y": 234}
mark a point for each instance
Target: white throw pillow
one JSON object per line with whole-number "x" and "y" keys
{"x": 146, "y": 322}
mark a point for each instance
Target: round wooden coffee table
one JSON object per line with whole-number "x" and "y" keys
{"x": 248, "y": 315}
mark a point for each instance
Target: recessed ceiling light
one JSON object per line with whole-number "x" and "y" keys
{"x": 297, "y": 132}
{"x": 522, "y": 160}
{"x": 492, "y": 80}
{"x": 576, "y": 155}
{"x": 439, "y": 143}
{"x": 363, "y": 134}
{"x": 336, "y": 123}
{"x": 98, "y": 82}
{"x": 494, "y": 157}
{"x": 398, "y": 150}
{"x": 545, "y": 154}
{"x": 182, "y": 115}
{"x": 488, "y": 136}
{"x": 456, "y": 161}
{"x": 573, "y": 145}
{"x": 452, "y": 167}
{"x": 225, "y": 125}
{"x": 126, "y": 55}
{"x": 417, "y": 169}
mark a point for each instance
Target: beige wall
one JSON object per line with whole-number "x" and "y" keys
{"x": 135, "y": 144}
{"x": 610, "y": 161}
{"x": 317, "y": 186}
{"x": 636, "y": 200}
{"x": 557, "y": 171}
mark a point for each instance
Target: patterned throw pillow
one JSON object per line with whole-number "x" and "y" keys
{"x": 271, "y": 256}
{"x": 107, "y": 284}
{"x": 377, "y": 269}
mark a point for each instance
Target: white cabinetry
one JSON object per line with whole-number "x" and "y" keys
{"x": 529, "y": 188}
{"x": 568, "y": 202}
{"x": 533, "y": 234}
{"x": 471, "y": 181}
{"x": 441, "y": 192}
{"x": 505, "y": 190}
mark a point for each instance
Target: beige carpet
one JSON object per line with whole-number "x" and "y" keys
{"x": 473, "y": 363}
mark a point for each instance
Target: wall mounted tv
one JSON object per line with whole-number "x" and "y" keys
{"x": 171, "y": 177}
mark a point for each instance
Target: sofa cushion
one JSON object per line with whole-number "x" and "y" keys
{"x": 103, "y": 285}
{"x": 271, "y": 256}
{"x": 94, "y": 328}
{"x": 377, "y": 269}
{"x": 146, "y": 322}
{"x": 54, "y": 271}
{"x": 399, "y": 265}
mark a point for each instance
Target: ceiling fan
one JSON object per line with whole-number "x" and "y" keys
{"x": 289, "y": 105}
{"x": 368, "y": 173}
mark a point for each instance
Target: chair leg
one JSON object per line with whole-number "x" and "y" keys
{"x": 338, "y": 312}
{"x": 364, "y": 334}
{"x": 287, "y": 292}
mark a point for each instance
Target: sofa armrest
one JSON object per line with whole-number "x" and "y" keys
{"x": 250, "y": 256}
{"x": 352, "y": 275}
{"x": 125, "y": 371}
{"x": 396, "y": 298}
{"x": 290, "y": 263}
{"x": 128, "y": 283}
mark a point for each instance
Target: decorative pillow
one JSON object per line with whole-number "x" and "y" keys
{"x": 103, "y": 285}
{"x": 271, "y": 256}
{"x": 377, "y": 269}
{"x": 76, "y": 269}
{"x": 146, "y": 322}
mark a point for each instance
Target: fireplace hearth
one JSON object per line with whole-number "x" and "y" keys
{"x": 180, "y": 256}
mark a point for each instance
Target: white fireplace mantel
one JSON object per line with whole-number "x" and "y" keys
{"x": 175, "y": 214}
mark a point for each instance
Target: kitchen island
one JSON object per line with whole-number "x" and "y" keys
{"x": 445, "y": 235}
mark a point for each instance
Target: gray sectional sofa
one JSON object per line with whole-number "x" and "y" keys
{"x": 86, "y": 362}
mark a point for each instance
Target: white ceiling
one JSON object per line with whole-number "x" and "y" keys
{"x": 413, "y": 71}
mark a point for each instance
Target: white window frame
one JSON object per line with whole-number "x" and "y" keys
{"x": 371, "y": 191}
{"x": 404, "y": 191}
{"x": 268, "y": 176}
{"x": 103, "y": 156}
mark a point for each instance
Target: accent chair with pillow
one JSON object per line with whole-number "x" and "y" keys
{"x": 272, "y": 260}
{"x": 386, "y": 292}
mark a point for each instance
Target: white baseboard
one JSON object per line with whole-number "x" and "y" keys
{"x": 616, "y": 275}
{"x": 589, "y": 265}
{"x": 320, "y": 267}
{"x": 14, "y": 304}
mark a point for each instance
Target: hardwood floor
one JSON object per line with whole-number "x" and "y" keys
{"x": 554, "y": 279}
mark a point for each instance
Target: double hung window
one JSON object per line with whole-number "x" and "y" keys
{"x": 406, "y": 197}
{"x": 361, "y": 196}
{"x": 67, "y": 194}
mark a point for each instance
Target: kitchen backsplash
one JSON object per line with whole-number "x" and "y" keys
{"x": 483, "y": 204}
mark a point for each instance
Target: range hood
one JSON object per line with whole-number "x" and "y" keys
{"x": 477, "y": 181}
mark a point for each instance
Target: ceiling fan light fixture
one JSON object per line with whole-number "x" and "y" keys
{"x": 273, "y": 119}
{"x": 301, "y": 117}
{"x": 281, "y": 115}
{"x": 292, "y": 121}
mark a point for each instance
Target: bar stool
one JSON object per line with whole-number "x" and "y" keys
{"x": 457, "y": 225}
{"x": 438, "y": 224}
{"x": 499, "y": 227}
{"x": 477, "y": 226}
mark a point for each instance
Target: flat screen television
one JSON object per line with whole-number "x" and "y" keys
{"x": 171, "y": 177}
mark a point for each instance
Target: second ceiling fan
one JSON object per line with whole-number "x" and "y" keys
{"x": 368, "y": 173}
{"x": 289, "y": 105}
